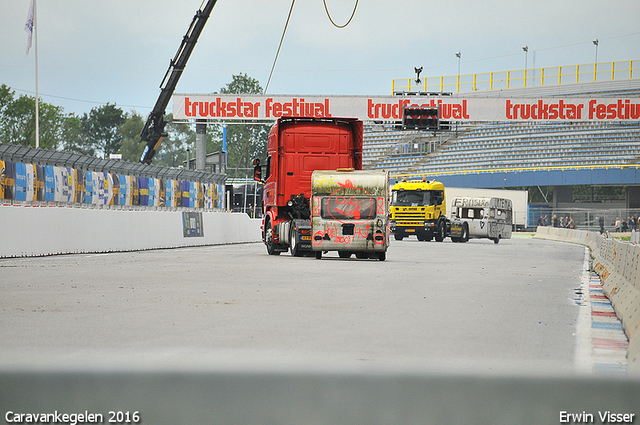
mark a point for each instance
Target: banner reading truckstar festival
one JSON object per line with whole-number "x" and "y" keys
{"x": 230, "y": 107}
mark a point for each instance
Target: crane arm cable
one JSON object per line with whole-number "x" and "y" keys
{"x": 279, "y": 46}
{"x": 348, "y": 22}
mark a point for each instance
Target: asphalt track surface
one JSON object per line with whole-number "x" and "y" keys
{"x": 478, "y": 306}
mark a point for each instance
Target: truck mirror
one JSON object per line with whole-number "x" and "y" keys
{"x": 257, "y": 172}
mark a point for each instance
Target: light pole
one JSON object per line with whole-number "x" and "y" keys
{"x": 526, "y": 51}
{"x": 595, "y": 64}
{"x": 458, "y": 79}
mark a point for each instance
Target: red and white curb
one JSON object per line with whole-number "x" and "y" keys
{"x": 601, "y": 342}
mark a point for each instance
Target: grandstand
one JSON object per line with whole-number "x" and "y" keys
{"x": 478, "y": 147}
{"x": 503, "y": 146}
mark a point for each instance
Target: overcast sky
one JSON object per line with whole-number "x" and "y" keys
{"x": 93, "y": 52}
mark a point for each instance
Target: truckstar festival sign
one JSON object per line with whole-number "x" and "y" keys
{"x": 230, "y": 107}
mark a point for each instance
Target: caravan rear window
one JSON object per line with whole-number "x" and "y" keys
{"x": 472, "y": 213}
{"x": 348, "y": 208}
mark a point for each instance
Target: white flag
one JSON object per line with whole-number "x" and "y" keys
{"x": 28, "y": 26}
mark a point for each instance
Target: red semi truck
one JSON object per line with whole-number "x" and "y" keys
{"x": 296, "y": 148}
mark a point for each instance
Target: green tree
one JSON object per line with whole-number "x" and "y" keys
{"x": 102, "y": 129}
{"x": 74, "y": 139}
{"x": 173, "y": 149}
{"x": 131, "y": 148}
{"x": 244, "y": 142}
{"x": 18, "y": 120}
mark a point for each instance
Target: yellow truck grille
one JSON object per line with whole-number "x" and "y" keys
{"x": 409, "y": 215}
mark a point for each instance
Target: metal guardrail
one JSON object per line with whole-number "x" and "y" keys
{"x": 530, "y": 77}
{"x": 586, "y": 218}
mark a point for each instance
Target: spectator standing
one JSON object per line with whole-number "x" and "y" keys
{"x": 616, "y": 225}
{"x": 601, "y": 223}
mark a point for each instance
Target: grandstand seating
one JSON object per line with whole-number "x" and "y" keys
{"x": 504, "y": 145}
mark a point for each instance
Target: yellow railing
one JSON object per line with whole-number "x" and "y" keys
{"x": 534, "y": 77}
{"x": 518, "y": 170}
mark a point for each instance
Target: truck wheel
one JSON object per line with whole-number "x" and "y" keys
{"x": 268, "y": 240}
{"x": 344, "y": 254}
{"x": 318, "y": 255}
{"x": 382, "y": 256}
{"x": 398, "y": 237}
{"x": 496, "y": 240}
{"x": 295, "y": 246}
{"x": 465, "y": 233}
{"x": 442, "y": 232}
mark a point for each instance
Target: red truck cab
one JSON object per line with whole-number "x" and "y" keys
{"x": 297, "y": 147}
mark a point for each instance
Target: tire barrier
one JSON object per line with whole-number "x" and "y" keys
{"x": 618, "y": 265}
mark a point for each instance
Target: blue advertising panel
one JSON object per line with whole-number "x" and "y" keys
{"x": 21, "y": 182}
{"x": 124, "y": 188}
{"x": 88, "y": 198}
{"x": 193, "y": 194}
{"x": 185, "y": 194}
{"x": 143, "y": 186}
{"x": 49, "y": 184}
{"x": 152, "y": 192}
{"x": 169, "y": 193}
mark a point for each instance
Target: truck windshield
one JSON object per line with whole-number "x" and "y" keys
{"x": 348, "y": 208}
{"x": 410, "y": 198}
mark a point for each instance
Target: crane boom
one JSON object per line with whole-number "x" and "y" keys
{"x": 153, "y": 130}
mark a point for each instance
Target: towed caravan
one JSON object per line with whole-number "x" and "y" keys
{"x": 486, "y": 217}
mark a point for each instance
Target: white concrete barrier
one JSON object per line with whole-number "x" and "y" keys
{"x": 617, "y": 263}
{"x": 316, "y": 396}
{"x": 36, "y": 231}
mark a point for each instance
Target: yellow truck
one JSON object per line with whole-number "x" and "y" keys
{"x": 418, "y": 207}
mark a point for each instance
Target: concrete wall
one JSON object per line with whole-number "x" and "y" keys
{"x": 35, "y": 231}
{"x": 618, "y": 264}
{"x": 316, "y": 396}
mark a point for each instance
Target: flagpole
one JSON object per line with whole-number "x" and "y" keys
{"x": 35, "y": 29}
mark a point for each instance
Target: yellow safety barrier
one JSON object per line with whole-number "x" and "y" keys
{"x": 521, "y": 78}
